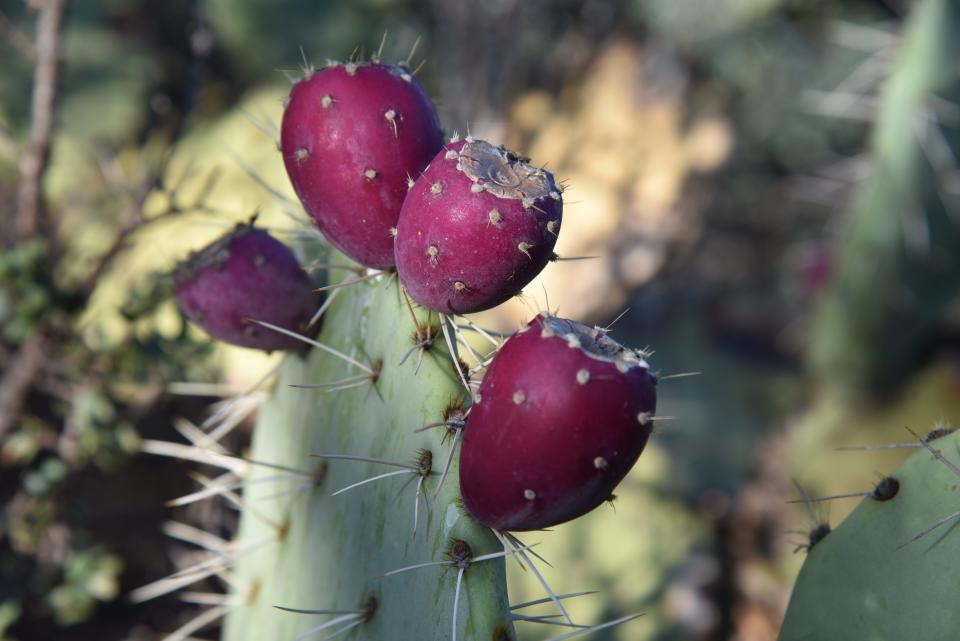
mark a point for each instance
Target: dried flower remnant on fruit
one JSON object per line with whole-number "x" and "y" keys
{"x": 497, "y": 220}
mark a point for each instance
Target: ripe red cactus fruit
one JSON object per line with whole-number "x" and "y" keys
{"x": 245, "y": 275}
{"x": 563, "y": 413}
{"x": 352, "y": 136}
{"x": 477, "y": 226}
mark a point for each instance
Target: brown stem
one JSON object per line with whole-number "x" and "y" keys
{"x": 18, "y": 376}
{"x": 33, "y": 163}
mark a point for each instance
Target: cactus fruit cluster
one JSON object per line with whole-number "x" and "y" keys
{"x": 389, "y": 472}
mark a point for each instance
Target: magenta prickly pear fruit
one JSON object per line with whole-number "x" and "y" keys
{"x": 352, "y": 136}
{"x": 246, "y": 275}
{"x": 563, "y": 413}
{"x": 477, "y": 226}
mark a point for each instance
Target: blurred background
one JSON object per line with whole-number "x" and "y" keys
{"x": 720, "y": 169}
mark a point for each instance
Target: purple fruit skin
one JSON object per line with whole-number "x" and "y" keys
{"x": 350, "y": 142}
{"x": 246, "y": 274}
{"x": 545, "y": 442}
{"x": 455, "y": 255}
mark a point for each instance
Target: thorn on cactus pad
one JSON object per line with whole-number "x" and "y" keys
{"x": 885, "y": 489}
{"x": 310, "y": 341}
{"x": 346, "y": 619}
{"x": 519, "y": 550}
{"x": 818, "y": 529}
{"x": 459, "y": 556}
{"x": 422, "y": 467}
{"x": 596, "y": 628}
{"x": 561, "y": 597}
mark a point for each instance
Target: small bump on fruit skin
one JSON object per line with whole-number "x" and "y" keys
{"x": 492, "y": 215}
{"x": 558, "y": 422}
{"x": 246, "y": 274}
{"x": 349, "y": 160}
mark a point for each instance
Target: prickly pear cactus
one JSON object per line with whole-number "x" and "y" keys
{"x": 888, "y": 572}
{"x": 335, "y": 553}
{"x": 898, "y": 263}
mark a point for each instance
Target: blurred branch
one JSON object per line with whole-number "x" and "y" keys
{"x": 8, "y": 146}
{"x": 17, "y": 379}
{"x": 16, "y": 38}
{"x": 134, "y": 214}
{"x": 33, "y": 163}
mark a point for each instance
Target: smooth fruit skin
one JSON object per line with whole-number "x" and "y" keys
{"x": 554, "y": 429}
{"x": 352, "y": 136}
{"x": 470, "y": 240}
{"x": 244, "y": 275}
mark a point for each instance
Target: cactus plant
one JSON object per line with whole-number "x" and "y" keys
{"x": 886, "y": 572}
{"x": 332, "y": 552}
{"x": 365, "y": 526}
{"x": 899, "y": 260}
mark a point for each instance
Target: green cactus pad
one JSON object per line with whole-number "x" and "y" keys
{"x": 335, "y": 550}
{"x": 872, "y": 579}
{"x": 896, "y": 272}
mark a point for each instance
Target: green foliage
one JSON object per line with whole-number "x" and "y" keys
{"x": 89, "y": 576}
{"x": 331, "y": 552}
{"x": 25, "y": 289}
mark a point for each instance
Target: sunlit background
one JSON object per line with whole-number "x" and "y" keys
{"x": 714, "y": 153}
